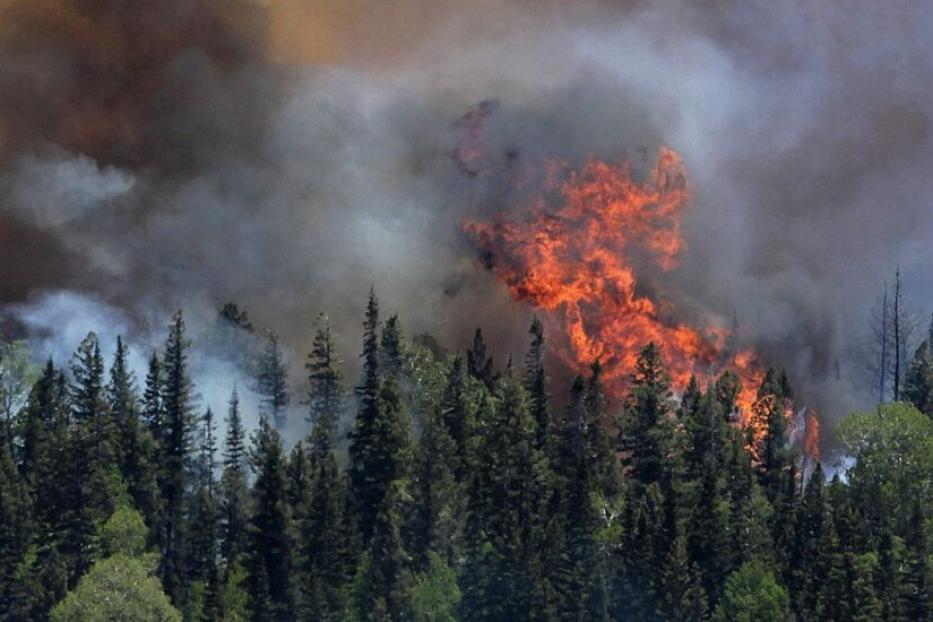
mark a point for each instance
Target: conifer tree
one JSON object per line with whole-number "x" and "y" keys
{"x": 382, "y": 586}
{"x": 234, "y": 486}
{"x": 392, "y": 356}
{"x": 137, "y": 448}
{"x": 271, "y": 382}
{"x": 89, "y": 407}
{"x": 176, "y": 396}
{"x": 535, "y": 382}
{"x": 15, "y": 529}
{"x": 438, "y": 500}
{"x": 326, "y": 394}
{"x": 366, "y": 493}
{"x": 95, "y": 479}
{"x": 50, "y": 527}
{"x": 153, "y": 413}
{"x": 918, "y": 381}
{"x": 457, "y": 416}
{"x": 510, "y": 496}
{"x": 323, "y": 561}
{"x": 645, "y": 424}
{"x": 770, "y": 446}
{"x": 203, "y": 518}
{"x": 479, "y": 365}
{"x": 809, "y": 561}
{"x": 917, "y": 604}
{"x": 268, "y": 559}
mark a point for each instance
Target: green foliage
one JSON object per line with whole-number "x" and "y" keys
{"x": 918, "y": 381}
{"x": 435, "y": 594}
{"x": 124, "y": 533}
{"x": 751, "y": 594}
{"x": 885, "y": 488}
{"x": 118, "y": 588}
{"x": 268, "y": 558}
{"x": 468, "y": 496}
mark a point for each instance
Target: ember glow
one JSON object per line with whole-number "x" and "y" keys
{"x": 571, "y": 252}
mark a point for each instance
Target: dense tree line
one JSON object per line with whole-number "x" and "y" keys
{"x": 460, "y": 492}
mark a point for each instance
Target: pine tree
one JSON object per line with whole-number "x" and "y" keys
{"x": 55, "y": 524}
{"x": 586, "y": 473}
{"x": 15, "y": 529}
{"x": 89, "y": 407}
{"x": 647, "y": 410}
{"x": 326, "y": 395}
{"x": 478, "y": 364}
{"x": 769, "y": 420}
{"x": 176, "y": 395}
{"x": 889, "y": 576}
{"x": 234, "y": 487}
{"x": 810, "y": 558}
{"x": 381, "y": 589}
{"x": 918, "y": 382}
{"x": 457, "y": 416}
{"x": 535, "y": 382}
{"x": 374, "y": 461}
{"x": 269, "y": 548}
{"x": 153, "y": 413}
{"x": 137, "y": 448}
{"x": 509, "y": 495}
{"x": 436, "y": 523}
{"x": 95, "y": 482}
{"x": 322, "y": 565}
{"x": 391, "y": 350}
{"x": 271, "y": 382}
{"x": 917, "y": 603}
{"x": 203, "y": 519}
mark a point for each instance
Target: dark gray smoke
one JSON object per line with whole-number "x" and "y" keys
{"x": 181, "y": 156}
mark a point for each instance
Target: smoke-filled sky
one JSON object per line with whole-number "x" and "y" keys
{"x": 287, "y": 154}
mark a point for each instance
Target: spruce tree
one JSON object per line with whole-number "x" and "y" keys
{"x": 326, "y": 393}
{"x": 268, "y": 559}
{"x": 458, "y": 418}
{"x": 361, "y": 438}
{"x": 203, "y": 519}
{"x": 479, "y": 365}
{"x": 55, "y": 524}
{"x": 323, "y": 560}
{"x": 391, "y": 349}
{"x": 382, "y": 586}
{"x": 810, "y": 558}
{"x": 918, "y": 381}
{"x": 137, "y": 447}
{"x": 645, "y": 427}
{"x": 917, "y": 602}
{"x": 176, "y": 397}
{"x": 234, "y": 486}
{"x": 769, "y": 420}
{"x": 153, "y": 413}
{"x": 436, "y": 523}
{"x": 15, "y": 530}
{"x": 95, "y": 481}
{"x": 535, "y": 382}
{"x": 271, "y": 382}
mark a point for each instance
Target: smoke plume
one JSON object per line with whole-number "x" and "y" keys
{"x": 287, "y": 155}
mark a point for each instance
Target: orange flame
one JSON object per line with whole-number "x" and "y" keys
{"x": 573, "y": 255}
{"x": 812, "y": 437}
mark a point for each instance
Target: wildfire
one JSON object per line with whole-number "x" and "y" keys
{"x": 572, "y": 253}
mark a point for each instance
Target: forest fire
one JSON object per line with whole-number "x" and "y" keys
{"x": 572, "y": 252}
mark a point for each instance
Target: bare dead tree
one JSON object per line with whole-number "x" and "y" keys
{"x": 893, "y": 328}
{"x": 875, "y": 354}
{"x": 904, "y": 324}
